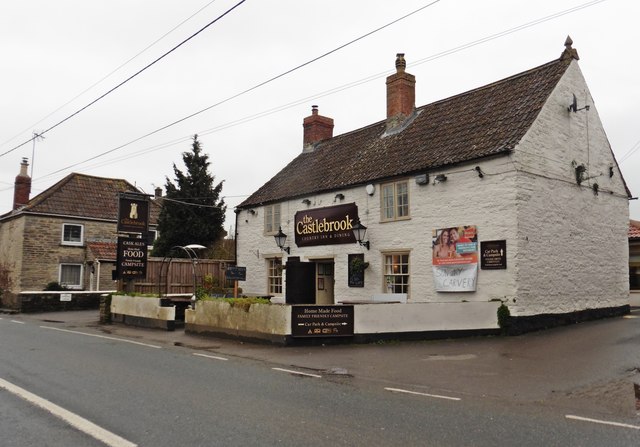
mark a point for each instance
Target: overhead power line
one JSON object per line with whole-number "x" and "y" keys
{"x": 250, "y": 89}
{"x": 112, "y": 71}
{"x": 128, "y": 79}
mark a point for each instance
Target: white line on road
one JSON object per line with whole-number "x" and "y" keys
{"x": 82, "y": 424}
{"x": 290, "y": 371}
{"x": 102, "y": 336}
{"x": 630, "y": 316}
{"x": 597, "y": 421}
{"x": 398, "y": 390}
{"x": 215, "y": 357}
{"x": 16, "y": 321}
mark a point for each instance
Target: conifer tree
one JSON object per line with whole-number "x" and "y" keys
{"x": 192, "y": 210}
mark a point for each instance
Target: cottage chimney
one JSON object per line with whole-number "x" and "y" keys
{"x": 158, "y": 192}
{"x": 401, "y": 94}
{"x": 22, "y": 186}
{"x": 316, "y": 128}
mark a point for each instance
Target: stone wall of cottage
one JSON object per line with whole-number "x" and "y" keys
{"x": 10, "y": 250}
{"x": 43, "y": 251}
{"x": 572, "y": 241}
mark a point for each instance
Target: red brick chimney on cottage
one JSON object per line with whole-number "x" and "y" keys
{"x": 401, "y": 94}
{"x": 316, "y": 128}
{"x": 22, "y": 186}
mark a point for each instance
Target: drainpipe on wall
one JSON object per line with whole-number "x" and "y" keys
{"x": 97, "y": 276}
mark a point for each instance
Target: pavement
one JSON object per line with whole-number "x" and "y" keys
{"x": 591, "y": 366}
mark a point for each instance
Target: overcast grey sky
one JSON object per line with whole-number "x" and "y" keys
{"x": 55, "y": 53}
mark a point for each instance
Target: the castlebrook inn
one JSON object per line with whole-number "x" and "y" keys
{"x": 504, "y": 194}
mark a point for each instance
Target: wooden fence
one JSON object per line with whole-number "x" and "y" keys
{"x": 177, "y": 276}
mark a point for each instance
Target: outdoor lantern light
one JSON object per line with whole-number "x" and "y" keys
{"x": 359, "y": 231}
{"x": 281, "y": 239}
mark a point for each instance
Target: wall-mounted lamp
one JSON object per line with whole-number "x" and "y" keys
{"x": 479, "y": 171}
{"x": 281, "y": 239}
{"x": 253, "y": 212}
{"x": 359, "y": 231}
{"x": 440, "y": 178}
{"x": 339, "y": 196}
{"x": 306, "y": 202}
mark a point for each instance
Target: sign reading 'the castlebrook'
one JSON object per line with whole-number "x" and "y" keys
{"x": 324, "y": 226}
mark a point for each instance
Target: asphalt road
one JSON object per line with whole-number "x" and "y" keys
{"x": 570, "y": 386}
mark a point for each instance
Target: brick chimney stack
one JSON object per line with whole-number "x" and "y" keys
{"x": 316, "y": 128}
{"x": 401, "y": 94}
{"x": 157, "y": 192}
{"x": 22, "y": 186}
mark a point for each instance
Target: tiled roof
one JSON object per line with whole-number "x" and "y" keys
{"x": 487, "y": 121}
{"x": 103, "y": 251}
{"x": 84, "y": 196}
{"x": 634, "y": 229}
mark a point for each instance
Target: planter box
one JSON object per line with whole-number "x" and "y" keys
{"x": 264, "y": 322}
{"x": 142, "y": 312}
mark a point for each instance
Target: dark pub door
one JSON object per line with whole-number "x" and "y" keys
{"x": 301, "y": 279}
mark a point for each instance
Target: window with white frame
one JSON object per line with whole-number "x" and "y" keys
{"x": 272, "y": 218}
{"x": 274, "y": 276}
{"x": 395, "y": 201}
{"x": 71, "y": 276}
{"x": 396, "y": 272}
{"x": 72, "y": 234}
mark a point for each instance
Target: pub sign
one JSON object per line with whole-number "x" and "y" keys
{"x": 326, "y": 226}
{"x": 322, "y": 321}
{"x": 133, "y": 213}
{"x": 132, "y": 257}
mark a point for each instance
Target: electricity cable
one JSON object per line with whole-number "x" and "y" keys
{"x": 128, "y": 79}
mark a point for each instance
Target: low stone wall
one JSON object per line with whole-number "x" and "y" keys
{"x": 27, "y": 302}
{"x": 260, "y": 322}
{"x": 372, "y": 321}
{"x": 143, "y": 312}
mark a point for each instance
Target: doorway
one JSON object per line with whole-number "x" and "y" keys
{"x": 324, "y": 281}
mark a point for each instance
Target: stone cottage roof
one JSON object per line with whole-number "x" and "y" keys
{"x": 634, "y": 229}
{"x": 83, "y": 196}
{"x": 102, "y": 251}
{"x": 483, "y": 122}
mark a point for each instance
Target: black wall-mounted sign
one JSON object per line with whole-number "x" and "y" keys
{"x": 356, "y": 276}
{"x": 493, "y": 255}
{"x": 133, "y": 213}
{"x": 326, "y": 226}
{"x": 235, "y": 273}
{"x": 132, "y": 257}
{"x": 321, "y": 321}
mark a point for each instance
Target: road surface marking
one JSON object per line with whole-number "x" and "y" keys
{"x": 597, "y": 421}
{"x": 297, "y": 372}
{"x": 85, "y": 426}
{"x": 398, "y": 390}
{"x": 215, "y": 357}
{"x": 102, "y": 336}
{"x": 16, "y": 321}
{"x": 630, "y": 316}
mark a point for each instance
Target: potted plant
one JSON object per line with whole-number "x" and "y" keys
{"x": 358, "y": 265}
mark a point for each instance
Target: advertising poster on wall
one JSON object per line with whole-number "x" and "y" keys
{"x": 455, "y": 258}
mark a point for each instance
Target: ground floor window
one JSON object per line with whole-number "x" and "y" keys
{"x": 396, "y": 272}
{"x": 71, "y": 276}
{"x": 274, "y": 275}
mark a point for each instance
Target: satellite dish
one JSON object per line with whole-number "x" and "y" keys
{"x": 574, "y": 105}
{"x": 370, "y": 189}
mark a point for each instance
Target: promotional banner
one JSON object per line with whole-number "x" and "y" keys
{"x": 325, "y": 226}
{"x": 455, "y": 258}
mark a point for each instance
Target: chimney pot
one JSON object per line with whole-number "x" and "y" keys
{"x": 22, "y": 186}
{"x": 401, "y": 94}
{"x": 316, "y": 128}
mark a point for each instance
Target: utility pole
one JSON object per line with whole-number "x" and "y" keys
{"x": 36, "y": 136}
